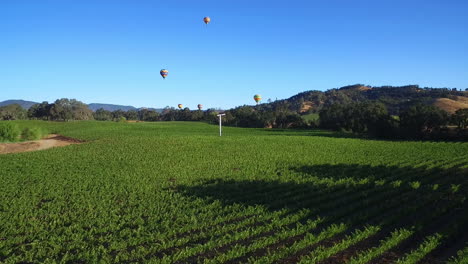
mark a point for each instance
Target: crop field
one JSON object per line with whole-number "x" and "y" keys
{"x": 176, "y": 192}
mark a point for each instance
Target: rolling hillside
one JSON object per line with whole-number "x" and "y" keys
{"x": 452, "y": 105}
{"x": 395, "y": 98}
{"x": 111, "y": 107}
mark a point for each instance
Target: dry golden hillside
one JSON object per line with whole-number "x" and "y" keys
{"x": 450, "y": 106}
{"x": 306, "y": 106}
{"x": 364, "y": 88}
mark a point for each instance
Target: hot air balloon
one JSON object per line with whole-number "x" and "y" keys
{"x": 257, "y": 98}
{"x": 200, "y": 106}
{"x": 164, "y": 73}
{"x": 180, "y": 106}
{"x": 206, "y": 20}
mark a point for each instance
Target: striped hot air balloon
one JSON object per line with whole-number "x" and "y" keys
{"x": 257, "y": 98}
{"x": 164, "y": 73}
{"x": 180, "y": 106}
{"x": 206, "y": 20}
{"x": 200, "y": 106}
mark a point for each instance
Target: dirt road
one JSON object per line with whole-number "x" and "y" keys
{"x": 50, "y": 141}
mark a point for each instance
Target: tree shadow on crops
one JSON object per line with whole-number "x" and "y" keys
{"x": 328, "y": 180}
{"x": 309, "y": 133}
{"x": 406, "y": 174}
{"x": 338, "y": 134}
{"x": 400, "y": 196}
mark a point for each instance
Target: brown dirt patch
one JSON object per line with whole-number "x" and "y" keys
{"x": 50, "y": 141}
{"x": 306, "y": 106}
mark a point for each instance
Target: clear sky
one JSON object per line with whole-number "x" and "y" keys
{"x": 111, "y": 51}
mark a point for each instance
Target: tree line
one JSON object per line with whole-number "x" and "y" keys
{"x": 367, "y": 118}
{"x": 277, "y": 116}
{"x": 71, "y": 109}
{"x": 61, "y": 110}
{"x": 419, "y": 121}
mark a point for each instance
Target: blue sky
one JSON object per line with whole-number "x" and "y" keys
{"x": 111, "y": 51}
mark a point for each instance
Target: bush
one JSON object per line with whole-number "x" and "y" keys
{"x": 32, "y": 133}
{"x": 9, "y": 132}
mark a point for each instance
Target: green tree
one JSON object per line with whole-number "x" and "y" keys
{"x": 81, "y": 111}
{"x": 333, "y": 117}
{"x": 169, "y": 114}
{"x": 117, "y": 115}
{"x": 61, "y": 110}
{"x": 131, "y": 115}
{"x": 247, "y": 116}
{"x": 460, "y": 118}
{"x": 103, "y": 115}
{"x": 422, "y": 119}
{"x": 287, "y": 119}
{"x": 362, "y": 118}
{"x": 148, "y": 115}
{"x": 184, "y": 115}
{"x": 197, "y": 115}
{"x": 12, "y": 112}
{"x": 210, "y": 115}
{"x": 40, "y": 111}
{"x": 70, "y": 109}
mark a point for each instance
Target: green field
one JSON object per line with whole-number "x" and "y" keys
{"x": 311, "y": 117}
{"x": 176, "y": 192}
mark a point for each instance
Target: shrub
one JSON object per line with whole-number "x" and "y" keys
{"x": 396, "y": 183}
{"x": 415, "y": 184}
{"x": 9, "y": 131}
{"x": 32, "y": 133}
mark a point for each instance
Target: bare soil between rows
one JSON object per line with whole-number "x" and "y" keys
{"x": 51, "y": 141}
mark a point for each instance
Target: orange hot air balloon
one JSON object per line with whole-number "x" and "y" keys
{"x": 164, "y": 73}
{"x": 200, "y": 106}
{"x": 257, "y": 98}
{"x": 180, "y": 106}
{"x": 207, "y": 20}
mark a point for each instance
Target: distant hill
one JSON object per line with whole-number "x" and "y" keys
{"x": 111, "y": 107}
{"x": 396, "y": 98}
{"x": 159, "y": 110}
{"x": 22, "y": 103}
{"x": 93, "y": 106}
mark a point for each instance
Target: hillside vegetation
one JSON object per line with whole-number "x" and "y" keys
{"x": 395, "y": 98}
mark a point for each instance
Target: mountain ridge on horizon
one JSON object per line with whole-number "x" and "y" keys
{"x": 93, "y": 106}
{"x": 394, "y": 97}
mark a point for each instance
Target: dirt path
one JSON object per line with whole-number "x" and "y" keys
{"x": 50, "y": 141}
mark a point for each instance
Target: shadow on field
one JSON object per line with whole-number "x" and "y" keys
{"x": 310, "y": 133}
{"x": 428, "y": 200}
{"x": 406, "y": 174}
{"x": 337, "y": 134}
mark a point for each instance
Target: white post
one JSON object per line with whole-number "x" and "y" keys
{"x": 220, "y": 129}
